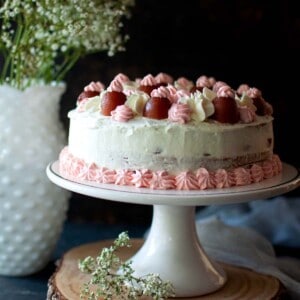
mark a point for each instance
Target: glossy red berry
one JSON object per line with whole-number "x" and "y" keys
{"x": 157, "y": 108}
{"x": 226, "y": 110}
{"x": 111, "y": 100}
{"x": 147, "y": 88}
{"x": 87, "y": 94}
{"x": 260, "y": 106}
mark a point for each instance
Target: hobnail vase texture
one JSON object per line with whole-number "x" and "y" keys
{"x": 32, "y": 209}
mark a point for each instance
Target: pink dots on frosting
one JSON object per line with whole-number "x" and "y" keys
{"x": 121, "y": 78}
{"x": 242, "y": 176}
{"x": 200, "y": 179}
{"x": 224, "y": 179}
{"x": 122, "y": 113}
{"x": 148, "y": 80}
{"x": 176, "y": 94}
{"x": 164, "y": 78}
{"x": 184, "y": 83}
{"x": 141, "y": 178}
{"x": 161, "y": 92}
{"x": 186, "y": 181}
{"x": 225, "y": 91}
{"x": 243, "y": 88}
{"x": 206, "y": 180}
{"x": 203, "y": 81}
{"x": 179, "y": 113}
{"x": 92, "y": 172}
{"x": 247, "y": 115}
{"x": 219, "y": 84}
{"x": 123, "y": 177}
{"x": 161, "y": 180}
{"x": 268, "y": 169}
{"x": 105, "y": 175}
{"x": 94, "y": 87}
{"x": 257, "y": 173}
{"x": 254, "y": 93}
{"x": 115, "y": 85}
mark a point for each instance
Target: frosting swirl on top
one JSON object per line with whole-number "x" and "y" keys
{"x": 218, "y": 84}
{"x": 254, "y": 93}
{"x": 164, "y": 78}
{"x": 115, "y": 85}
{"x": 148, "y": 80}
{"x": 247, "y": 115}
{"x": 184, "y": 83}
{"x": 225, "y": 91}
{"x": 94, "y": 87}
{"x": 243, "y": 88}
{"x": 180, "y": 113}
{"x": 203, "y": 81}
{"x": 161, "y": 92}
{"x": 201, "y": 108}
{"x": 122, "y": 78}
{"x": 199, "y": 97}
{"x": 122, "y": 113}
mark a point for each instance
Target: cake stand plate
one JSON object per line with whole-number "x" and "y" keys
{"x": 172, "y": 248}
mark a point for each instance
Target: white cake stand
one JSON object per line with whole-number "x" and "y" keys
{"x": 172, "y": 248}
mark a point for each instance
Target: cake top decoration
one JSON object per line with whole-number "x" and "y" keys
{"x": 152, "y": 97}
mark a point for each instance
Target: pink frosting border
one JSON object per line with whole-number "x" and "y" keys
{"x": 202, "y": 179}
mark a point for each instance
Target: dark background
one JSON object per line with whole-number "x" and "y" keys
{"x": 254, "y": 42}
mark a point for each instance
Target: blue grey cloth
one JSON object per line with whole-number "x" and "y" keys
{"x": 247, "y": 248}
{"x": 244, "y": 234}
{"x": 277, "y": 219}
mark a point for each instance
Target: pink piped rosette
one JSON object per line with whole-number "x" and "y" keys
{"x": 148, "y": 80}
{"x": 94, "y": 87}
{"x": 161, "y": 92}
{"x": 115, "y": 85}
{"x": 179, "y": 113}
{"x": 225, "y": 91}
{"x": 164, "y": 78}
{"x": 141, "y": 178}
{"x": 162, "y": 180}
{"x": 204, "y": 81}
{"x": 186, "y": 181}
{"x": 201, "y": 179}
{"x": 218, "y": 84}
{"x": 122, "y": 113}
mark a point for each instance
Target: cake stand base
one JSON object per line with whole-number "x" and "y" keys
{"x": 66, "y": 282}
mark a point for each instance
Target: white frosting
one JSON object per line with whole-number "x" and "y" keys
{"x": 154, "y": 144}
{"x": 201, "y": 106}
{"x": 137, "y": 101}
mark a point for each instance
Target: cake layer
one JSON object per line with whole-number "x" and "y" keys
{"x": 155, "y": 145}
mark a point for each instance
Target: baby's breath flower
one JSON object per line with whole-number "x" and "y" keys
{"x": 42, "y": 40}
{"x": 111, "y": 278}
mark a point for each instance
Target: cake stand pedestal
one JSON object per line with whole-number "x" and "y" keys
{"x": 172, "y": 248}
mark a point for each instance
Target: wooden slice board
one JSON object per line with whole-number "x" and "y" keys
{"x": 66, "y": 282}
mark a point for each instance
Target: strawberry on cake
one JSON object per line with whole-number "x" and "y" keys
{"x": 159, "y": 133}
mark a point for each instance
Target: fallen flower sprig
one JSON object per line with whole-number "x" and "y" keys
{"x": 112, "y": 278}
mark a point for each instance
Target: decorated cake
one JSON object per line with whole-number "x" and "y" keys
{"x": 158, "y": 132}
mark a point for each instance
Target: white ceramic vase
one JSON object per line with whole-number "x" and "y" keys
{"x": 32, "y": 209}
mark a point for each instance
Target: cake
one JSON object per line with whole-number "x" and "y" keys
{"x": 162, "y": 133}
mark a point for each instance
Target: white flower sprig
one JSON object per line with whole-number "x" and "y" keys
{"x": 43, "y": 39}
{"x": 111, "y": 278}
